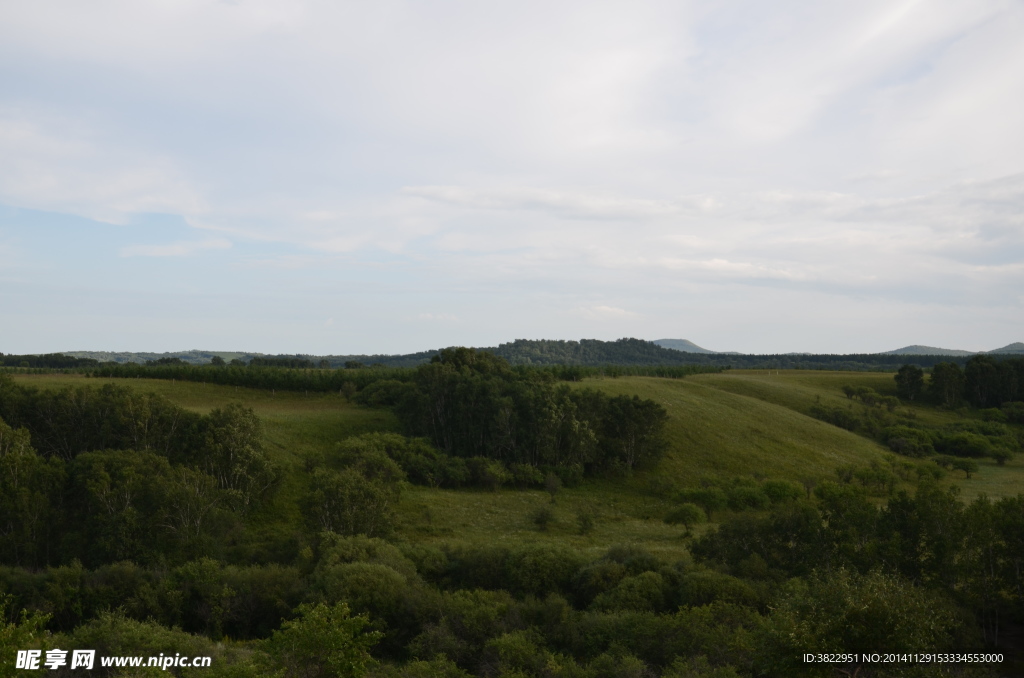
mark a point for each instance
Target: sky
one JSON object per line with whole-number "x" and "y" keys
{"x": 389, "y": 177}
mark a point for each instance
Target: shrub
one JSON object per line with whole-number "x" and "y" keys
{"x": 1014, "y": 412}
{"x": 743, "y": 497}
{"x": 780, "y": 491}
{"x": 585, "y": 522}
{"x": 964, "y": 444}
{"x": 710, "y": 499}
{"x": 908, "y": 441}
{"x": 642, "y": 593}
{"x": 542, "y": 517}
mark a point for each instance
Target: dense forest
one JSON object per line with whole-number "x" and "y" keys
{"x": 133, "y": 525}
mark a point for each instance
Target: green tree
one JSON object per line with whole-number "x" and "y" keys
{"x": 632, "y": 430}
{"x": 323, "y": 642}
{"x": 30, "y": 488}
{"x": 347, "y": 503}
{"x": 120, "y": 507}
{"x": 909, "y": 382}
{"x": 840, "y": 611}
{"x": 686, "y": 515}
{"x": 234, "y": 454}
{"x": 968, "y": 466}
{"x": 947, "y": 384}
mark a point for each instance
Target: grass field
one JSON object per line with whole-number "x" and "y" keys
{"x": 733, "y": 424}
{"x": 714, "y": 432}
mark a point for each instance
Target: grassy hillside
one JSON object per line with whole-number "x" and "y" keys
{"x": 734, "y": 424}
{"x": 715, "y": 432}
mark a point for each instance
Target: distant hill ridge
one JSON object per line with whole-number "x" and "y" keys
{"x": 687, "y": 346}
{"x": 917, "y": 349}
{"x": 593, "y": 352}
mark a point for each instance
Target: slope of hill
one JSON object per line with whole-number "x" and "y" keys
{"x": 918, "y": 349}
{"x": 684, "y": 345}
{"x": 713, "y": 432}
{"x": 1016, "y": 347}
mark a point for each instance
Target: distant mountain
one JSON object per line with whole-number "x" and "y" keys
{"x": 918, "y": 349}
{"x": 559, "y": 352}
{"x": 194, "y": 357}
{"x": 1015, "y": 347}
{"x": 684, "y": 345}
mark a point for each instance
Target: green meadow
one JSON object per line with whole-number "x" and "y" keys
{"x": 736, "y": 424}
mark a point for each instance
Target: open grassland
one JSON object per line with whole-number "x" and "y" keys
{"x": 992, "y": 480}
{"x": 504, "y": 518}
{"x": 799, "y": 390}
{"x": 716, "y": 433}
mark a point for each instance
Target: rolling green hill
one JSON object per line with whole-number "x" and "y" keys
{"x": 734, "y": 424}
{"x": 714, "y": 432}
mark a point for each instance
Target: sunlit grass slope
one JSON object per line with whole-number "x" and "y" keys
{"x": 801, "y": 389}
{"x": 713, "y": 432}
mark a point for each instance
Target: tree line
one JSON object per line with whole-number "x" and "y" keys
{"x": 983, "y": 382}
{"x": 471, "y": 403}
{"x": 268, "y": 374}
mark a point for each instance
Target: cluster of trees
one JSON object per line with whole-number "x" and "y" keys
{"x": 984, "y": 382}
{"x": 473, "y": 404}
{"x": 833, "y": 572}
{"x": 107, "y": 474}
{"x": 354, "y": 376}
{"x": 970, "y": 554}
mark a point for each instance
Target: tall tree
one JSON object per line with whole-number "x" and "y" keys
{"x": 947, "y": 384}
{"x": 909, "y": 382}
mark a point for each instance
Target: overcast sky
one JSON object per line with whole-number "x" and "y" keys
{"x": 388, "y": 177}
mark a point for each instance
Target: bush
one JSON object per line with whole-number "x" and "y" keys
{"x": 908, "y": 441}
{"x": 542, "y": 569}
{"x": 710, "y": 499}
{"x": 525, "y": 475}
{"x": 542, "y": 517}
{"x": 781, "y": 491}
{"x": 743, "y": 497}
{"x": 323, "y": 641}
{"x": 585, "y": 522}
{"x": 644, "y": 592}
{"x": 686, "y": 515}
{"x": 1001, "y": 456}
{"x": 964, "y": 444}
{"x": 1014, "y": 412}
{"x": 488, "y": 473}
{"x": 838, "y": 416}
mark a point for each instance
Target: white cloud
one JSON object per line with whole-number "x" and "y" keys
{"x": 596, "y": 150}
{"x": 57, "y": 164}
{"x": 176, "y": 249}
{"x": 602, "y": 312}
{"x": 437, "y": 317}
